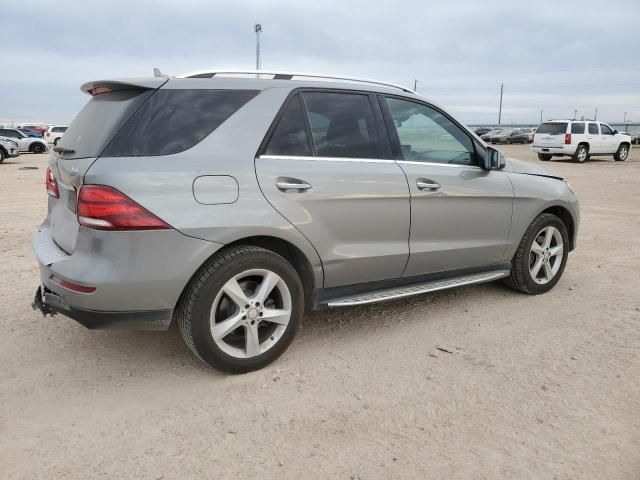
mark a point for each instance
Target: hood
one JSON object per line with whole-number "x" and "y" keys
{"x": 526, "y": 168}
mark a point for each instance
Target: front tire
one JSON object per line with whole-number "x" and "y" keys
{"x": 37, "y": 148}
{"x": 541, "y": 256}
{"x": 622, "y": 154}
{"x": 581, "y": 154}
{"x": 544, "y": 157}
{"x": 242, "y": 309}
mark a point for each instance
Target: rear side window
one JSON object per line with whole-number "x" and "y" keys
{"x": 342, "y": 125}
{"x": 577, "y": 127}
{"x": 553, "y": 128}
{"x": 290, "y": 136}
{"x": 58, "y": 129}
{"x": 172, "y": 121}
{"x": 593, "y": 129}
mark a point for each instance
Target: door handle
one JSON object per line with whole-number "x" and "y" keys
{"x": 424, "y": 184}
{"x": 292, "y": 185}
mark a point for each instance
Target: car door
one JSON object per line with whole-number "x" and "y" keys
{"x": 323, "y": 168}
{"x": 460, "y": 213}
{"x": 608, "y": 139}
{"x": 593, "y": 137}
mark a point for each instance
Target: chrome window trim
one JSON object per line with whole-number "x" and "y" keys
{"x": 453, "y": 165}
{"x": 325, "y": 159}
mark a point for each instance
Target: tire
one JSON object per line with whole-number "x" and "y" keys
{"x": 525, "y": 260}
{"x": 581, "y": 154}
{"x": 2, "y": 155}
{"x": 208, "y": 289}
{"x": 622, "y": 154}
{"x": 55, "y": 142}
{"x": 508, "y": 142}
{"x": 544, "y": 157}
{"x": 37, "y": 148}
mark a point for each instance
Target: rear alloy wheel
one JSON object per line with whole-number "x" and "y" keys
{"x": 541, "y": 256}
{"x": 622, "y": 154}
{"x": 37, "y": 148}
{"x": 242, "y": 310}
{"x": 581, "y": 155}
{"x": 544, "y": 157}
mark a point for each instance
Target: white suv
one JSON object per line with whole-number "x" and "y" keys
{"x": 25, "y": 143}
{"x": 54, "y": 134}
{"x": 580, "y": 140}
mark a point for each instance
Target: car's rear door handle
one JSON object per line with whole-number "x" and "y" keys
{"x": 426, "y": 184}
{"x": 292, "y": 184}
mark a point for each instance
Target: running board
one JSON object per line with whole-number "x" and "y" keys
{"x": 417, "y": 289}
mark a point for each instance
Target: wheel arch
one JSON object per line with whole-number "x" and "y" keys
{"x": 567, "y": 218}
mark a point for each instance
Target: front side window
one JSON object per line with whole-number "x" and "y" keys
{"x": 605, "y": 129}
{"x": 577, "y": 128}
{"x": 290, "y": 136}
{"x": 342, "y": 125}
{"x": 427, "y": 135}
{"x": 593, "y": 129}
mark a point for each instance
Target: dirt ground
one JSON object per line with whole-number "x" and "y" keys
{"x": 540, "y": 387}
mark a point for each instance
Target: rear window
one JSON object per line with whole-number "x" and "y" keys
{"x": 172, "y": 121}
{"x": 552, "y": 128}
{"x": 577, "y": 127}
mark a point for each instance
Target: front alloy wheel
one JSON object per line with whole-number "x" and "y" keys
{"x": 545, "y": 255}
{"x": 622, "y": 154}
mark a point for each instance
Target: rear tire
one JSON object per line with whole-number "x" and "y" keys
{"x": 55, "y": 142}
{"x": 544, "y": 157}
{"x": 525, "y": 259}
{"x": 581, "y": 154}
{"x": 206, "y": 305}
{"x": 37, "y": 148}
{"x": 622, "y": 154}
{"x": 2, "y": 155}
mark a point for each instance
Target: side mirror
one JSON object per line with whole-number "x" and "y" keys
{"x": 494, "y": 159}
{"x": 615, "y": 132}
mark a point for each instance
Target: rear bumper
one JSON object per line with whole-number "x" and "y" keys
{"x": 51, "y": 304}
{"x": 563, "y": 150}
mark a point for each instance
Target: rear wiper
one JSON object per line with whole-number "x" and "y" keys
{"x": 63, "y": 150}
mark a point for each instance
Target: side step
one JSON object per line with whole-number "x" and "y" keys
{"x": 417, "y": 289}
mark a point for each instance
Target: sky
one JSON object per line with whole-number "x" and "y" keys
{"x": 555, "y": 56}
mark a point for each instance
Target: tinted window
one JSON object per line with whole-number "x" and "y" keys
{"x": 9, "y": 133}
{"x": 99, "y": 120}
{"x": 58, "y": 129}
{"x": 593, "y": 129}
{"x": 172, "y": 121}
{"x": 577, "y": 128}
{"x": 290, "y": 136}
{"x": 342, "y": 125}
{"x": 553, "y": 128}
{"x": 605, "y": 129}
{"x": 426, "y": 135}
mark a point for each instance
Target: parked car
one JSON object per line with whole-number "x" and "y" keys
{"x": 25, "y": 143}
{"x": 30, "y": 133}
{"x": 635, "y": 138}
{"x": 54, "y": 134}
{"x": 491, "y": 133}
{"x": 482, "y": 130}
{"x": 8, "y": 149}
{"x": 510, "y": 136}
{"x": 579, "y": 140}
{"x": 36, "y": 128}
{"x": 231, "y": 204}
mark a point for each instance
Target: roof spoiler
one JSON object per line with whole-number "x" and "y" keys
{"x": 103, "y": 86}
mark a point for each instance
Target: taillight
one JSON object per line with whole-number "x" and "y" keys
{"x": 567, "y": 139}
{"x": 105, "y": 208}
{"x": 46, "y": 134}
{"x": 52, "y": 185}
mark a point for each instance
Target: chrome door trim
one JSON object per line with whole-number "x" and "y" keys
{"x": 453, "y": 165}
{"x": 324, "y": 159}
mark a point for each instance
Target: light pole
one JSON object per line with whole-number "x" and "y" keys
{"x": 625, "y": 120}
{"x": 575, "y": 114}
{"x": 596, "y": 117}
{"x": 500, "y": 108}
{"x": 258, "y": 29}
{"x": 541, "y": 115}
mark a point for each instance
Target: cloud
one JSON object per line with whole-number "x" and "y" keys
{"x": 550, "y": 55}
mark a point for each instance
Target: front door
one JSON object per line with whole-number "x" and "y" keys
{"x": 593, "y": 137}
{"x": 460, "y": 213}
{"x": 324, "y": 171}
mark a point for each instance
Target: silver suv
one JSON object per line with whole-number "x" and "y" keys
{"x": 231, "y": 204}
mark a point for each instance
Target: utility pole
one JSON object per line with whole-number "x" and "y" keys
{"x": 596, "y": 117}
{"x": 541, "y": 115}
{"x": 415, "y": 85}
{"x": 625, "y": 120}
{"x": 258, "y": 29}
{"x": 500, "y": 108}
{"x": 575, "y": 114}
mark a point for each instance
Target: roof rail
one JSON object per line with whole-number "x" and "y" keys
{"x": 281, "y": 75}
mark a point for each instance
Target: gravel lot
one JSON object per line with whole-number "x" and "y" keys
{"x": 540, "y": 387}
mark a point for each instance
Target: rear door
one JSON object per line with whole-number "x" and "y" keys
{"x": 551, "y": 134}
{"x": 324, "y": 169}
{"x": 593, "y": 137}
{"x": 460, "y": 213}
